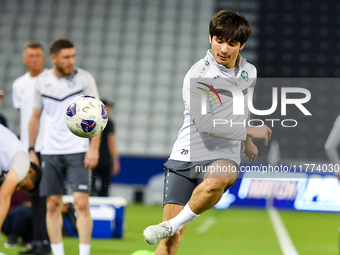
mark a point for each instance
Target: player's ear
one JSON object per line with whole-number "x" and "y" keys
{"x": 210, "y": 38}
{"x": 242, "y": 46}
{"x": 53, "y": 58}
{"x": 31, "y": 171}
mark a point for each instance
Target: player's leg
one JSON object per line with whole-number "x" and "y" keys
{"x": 51, "y": 187}
{"x": 210, "y": 191}
{"x": 79, "y": 179}
{"x": 170, "y": 245}
{"x": 84, "y": 220}
{"x": 178, "y": 188}
{"x": 54, "y": 220}
{"x": 204, "y": 196}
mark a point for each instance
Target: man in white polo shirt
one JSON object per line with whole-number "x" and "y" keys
{"x": 64, "y": 154}
{"x": 23, "y": 94}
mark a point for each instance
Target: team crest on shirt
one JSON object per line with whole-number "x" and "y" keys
{"x": 71, "y": 83}
{"x": 244, "y": 75}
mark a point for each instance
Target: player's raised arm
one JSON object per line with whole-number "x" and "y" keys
{"x": 6, "y": 190}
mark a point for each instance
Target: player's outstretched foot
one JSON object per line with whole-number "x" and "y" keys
{"x": 155, "y": 233}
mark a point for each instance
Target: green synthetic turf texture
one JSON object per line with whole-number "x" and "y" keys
{"x": 237, "y": 231}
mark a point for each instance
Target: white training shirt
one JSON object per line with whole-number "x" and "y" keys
{"x": 53, "y": 94}
{"x": 198, "y": 139}
{"x": 23, "y": 95}
{"x": 10, "y": 148}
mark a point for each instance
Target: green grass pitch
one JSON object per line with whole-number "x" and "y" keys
{"x": 236, "y": 231}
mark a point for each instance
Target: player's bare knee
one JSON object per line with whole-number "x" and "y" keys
{"x": 81, "y": 205}
{"x": 53, "y": 205}
{"x": 218, "y": 184}
{"x": 214, "y": 184}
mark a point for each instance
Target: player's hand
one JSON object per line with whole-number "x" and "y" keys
{"x": 91, "y": 158}
{"x": 250, "y": 150}
{"x": 33, "y": 157}
{"x": 115, "y": 168}
{"x": 260, "y": 133}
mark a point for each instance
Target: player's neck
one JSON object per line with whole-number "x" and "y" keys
{"x": 34, "y": 73}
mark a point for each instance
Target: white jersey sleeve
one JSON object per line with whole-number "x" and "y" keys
{"x": 16, "y": 95}
{"x": 37, "y": 103}
{"x": 13, "y": 155}
{"x": 20, "y": 163}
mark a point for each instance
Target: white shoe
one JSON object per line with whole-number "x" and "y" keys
{"x": 155, "y": 233}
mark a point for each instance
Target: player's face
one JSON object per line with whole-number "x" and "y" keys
{"x": 34, "y": 58}
{"x": 26, "y": 184}
{"x": 225, "y": 52}
{"x": 64, "y": 61}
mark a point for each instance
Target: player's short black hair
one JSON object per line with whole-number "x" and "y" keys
{"x": 35, "y": 178}
{"x": 59, "y": 44}
{"x": 230, "y": 26}
{"x": 33, "y": 45}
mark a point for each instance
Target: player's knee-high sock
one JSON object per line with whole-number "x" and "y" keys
{"x": 58, "y": 248}
{"x": 84, "y": 249}
{"x": 185, "y": 216}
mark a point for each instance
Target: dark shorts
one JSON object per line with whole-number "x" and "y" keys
{"x": 55, "y": 169}
{"x": 181, "y": 179}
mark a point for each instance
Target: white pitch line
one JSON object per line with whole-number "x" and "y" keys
{"x": 286, "y": 244}
{"x": 204, "y": 227}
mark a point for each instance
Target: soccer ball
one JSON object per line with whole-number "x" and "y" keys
{"x": 86, "y": 116}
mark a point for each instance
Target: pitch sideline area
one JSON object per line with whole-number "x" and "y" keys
{"x": 236, "y": 231}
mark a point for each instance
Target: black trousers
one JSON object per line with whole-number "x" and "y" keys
{"x": 103, "y": 171}
{"x": 39, "y": 214}
{"x": 18, "y": 223}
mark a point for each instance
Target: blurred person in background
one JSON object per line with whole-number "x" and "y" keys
{"x": 18, "y": 222}
{"x": 332, "y": 144}
{"x": 3, "y": 120}
{"x": 331, "y": 149}
{"x": 23, "y": 89}
{"x": 108, "y": 164}
{"x": 16, "y": 171}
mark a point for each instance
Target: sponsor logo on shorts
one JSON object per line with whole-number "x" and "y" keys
{"x": 82, "y": 187}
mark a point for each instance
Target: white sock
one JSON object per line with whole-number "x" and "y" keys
{"x": 184, "y": 216}
{"x": 57, "y": 248}
{"x": 84, "y": 249}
